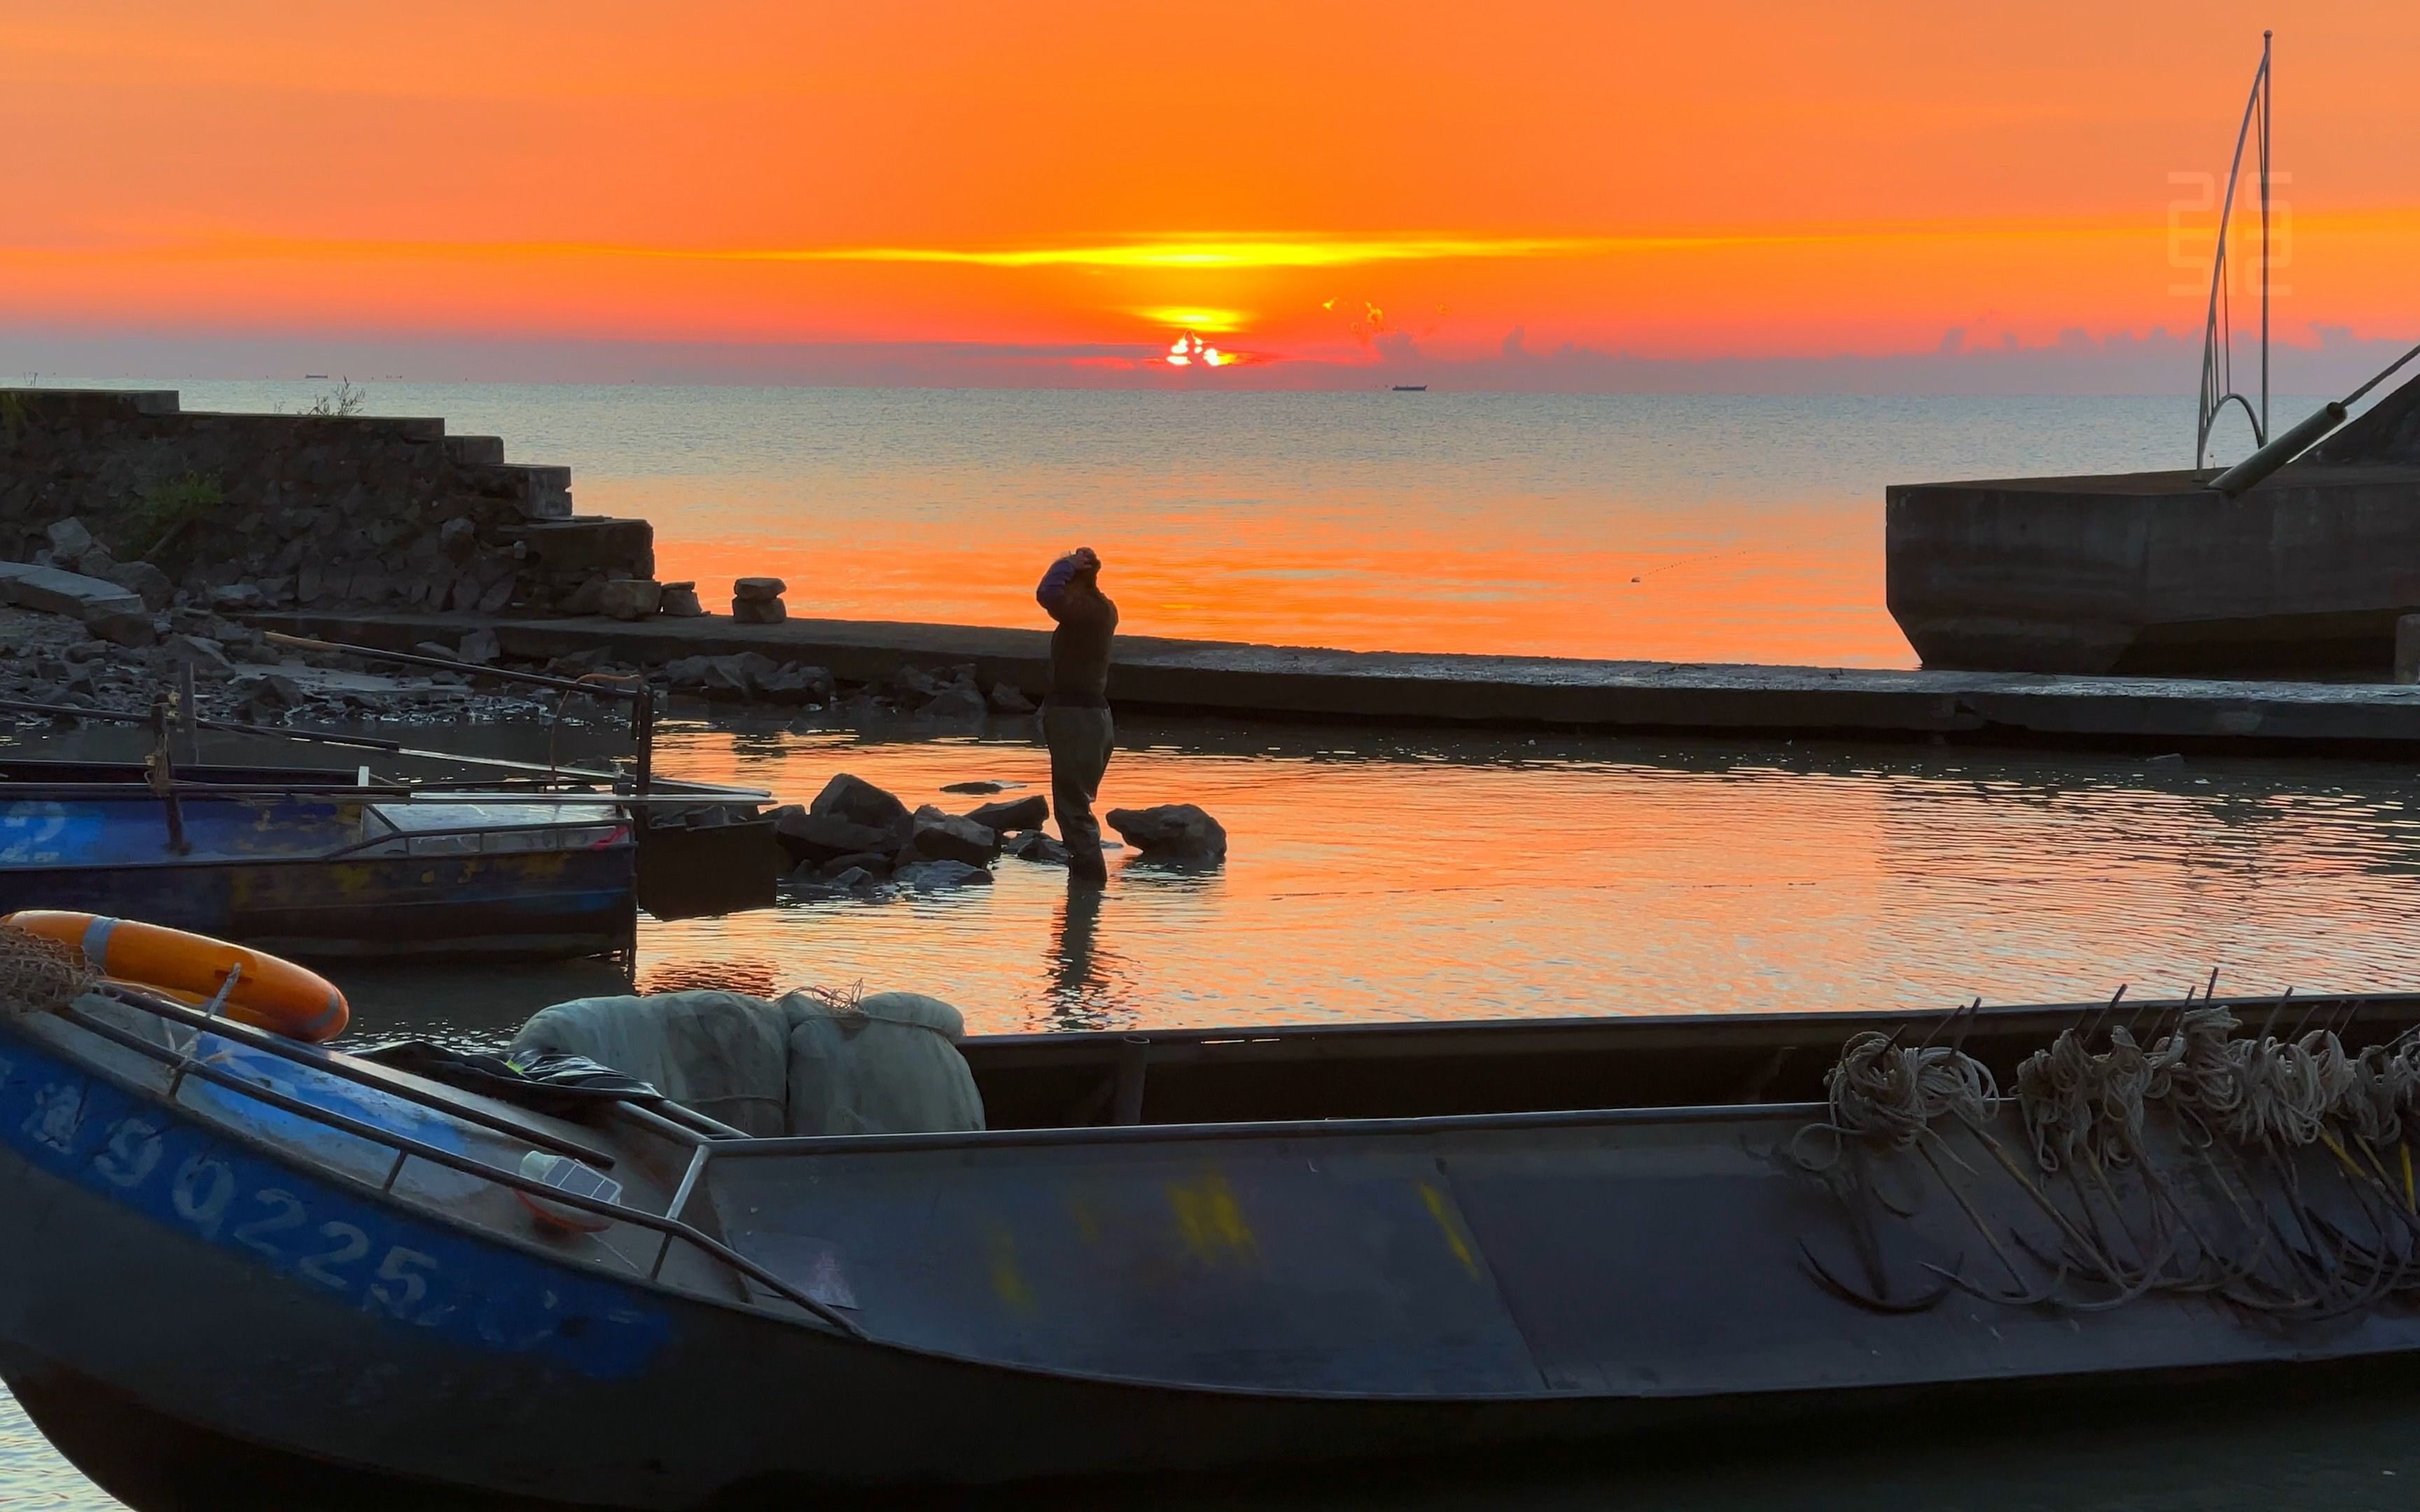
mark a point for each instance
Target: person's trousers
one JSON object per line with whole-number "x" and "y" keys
{"x": 1081, "y": 740}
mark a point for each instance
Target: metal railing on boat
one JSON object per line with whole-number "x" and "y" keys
{"x": 693, "y": 1129}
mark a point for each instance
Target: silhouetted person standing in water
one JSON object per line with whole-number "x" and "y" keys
{"x": 1076, "y": 717}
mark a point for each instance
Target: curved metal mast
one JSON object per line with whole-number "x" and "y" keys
{"x": 2217, "y": 342}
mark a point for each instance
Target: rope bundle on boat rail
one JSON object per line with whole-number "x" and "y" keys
{"x": 2186, "y": 1167}
{"x": 39, "y": 974}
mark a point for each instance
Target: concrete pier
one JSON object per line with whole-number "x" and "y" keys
{"x": 1246, "y": 681}
{"x": 2158, "y": 573}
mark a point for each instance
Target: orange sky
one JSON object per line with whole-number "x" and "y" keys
{"x": 1753, "y": 177}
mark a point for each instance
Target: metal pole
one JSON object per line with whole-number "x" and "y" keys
{"x": 163, "y": 776}
{"x": 189, "y": 707}
{"x": 643, "y": 731}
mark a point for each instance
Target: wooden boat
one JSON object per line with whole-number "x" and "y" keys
{"x": 243, "y": 1272}
{"x": 316, "y": 864}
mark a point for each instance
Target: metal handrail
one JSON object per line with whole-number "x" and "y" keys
{"x": 406, "y": 1147}
{"x": 560, "y": 826}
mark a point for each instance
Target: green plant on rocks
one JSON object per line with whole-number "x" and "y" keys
{"x": 338, "y": 402}
{"x": 164, "y": 511}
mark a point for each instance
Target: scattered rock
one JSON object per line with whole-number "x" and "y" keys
{"x": 851, "y": 877}
{"x": 69, "y": 539}
{"x": 1033, "y": 845}
{"x": 1006, "y": 700}
{"x": 955, "y": 704}
{"x": 793, "y": 685}
{"x": 866, "y": 864}
{"x": 583, "y": 599}
{"x": 127, "y": 627}
{"x": 204, "y": 653}
{"x": 457, "y": 537}
{"x": 679, "y": 600}
{"x": 977, "y": 787}
{"x": 479, "y": 648}
{"x": 233, "y": 599}
{"x": 436, "y": 648}
{"x": 97, "y": 563}
{"x": 808, "y": 837}
{"x": 948, "y": 837}
{"x": 145, "y": 582}
{"x": 861, "y": 802}
{"x": 272, "y": 693}
{"x": 1029, "y": 813}
{"x": 1173, "y": 831}
{"x": 629, "y": 598}
{"x": 927, "y": 876}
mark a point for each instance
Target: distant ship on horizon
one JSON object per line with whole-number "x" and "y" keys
{"x": 1411, "y": 388}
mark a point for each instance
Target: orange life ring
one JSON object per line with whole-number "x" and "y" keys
{"x": 271, "y": 992}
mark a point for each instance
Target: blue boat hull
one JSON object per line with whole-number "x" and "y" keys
{"x": 260, "y": 870}
{"x": 538, "y": 905}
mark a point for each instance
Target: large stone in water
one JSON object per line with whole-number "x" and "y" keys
{"x": 1028, "y": 812}
{"x": 947, "y": 837}
{"x": 856, "y": 799}
{"x": 805, "y": 836}
{"x": 1173, "y": 831}
{"x": 927, "y": 876}
{"x": 759, "y": 590}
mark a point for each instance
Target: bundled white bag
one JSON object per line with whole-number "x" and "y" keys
{"x": 886, "y": 1063}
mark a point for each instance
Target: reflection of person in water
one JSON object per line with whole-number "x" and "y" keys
{"x": 1079, "y": 989}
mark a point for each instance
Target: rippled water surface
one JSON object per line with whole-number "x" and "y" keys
{"x": 1392, "y": 877}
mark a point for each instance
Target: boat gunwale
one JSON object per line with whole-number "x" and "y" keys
{"x": 1706, "y": 1029}
{"x": 350, "y": 854}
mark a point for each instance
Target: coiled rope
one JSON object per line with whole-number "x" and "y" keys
{"x": 1892, "y": 1093}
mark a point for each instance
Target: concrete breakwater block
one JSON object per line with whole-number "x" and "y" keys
{"x": 57, "y": 591}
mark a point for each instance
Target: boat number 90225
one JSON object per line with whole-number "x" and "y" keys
{"x": 380, "y": 1259}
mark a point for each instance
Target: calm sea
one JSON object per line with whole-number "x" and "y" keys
{"x": 1692, "y": 527}
{"x": 1407, "y": 875}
